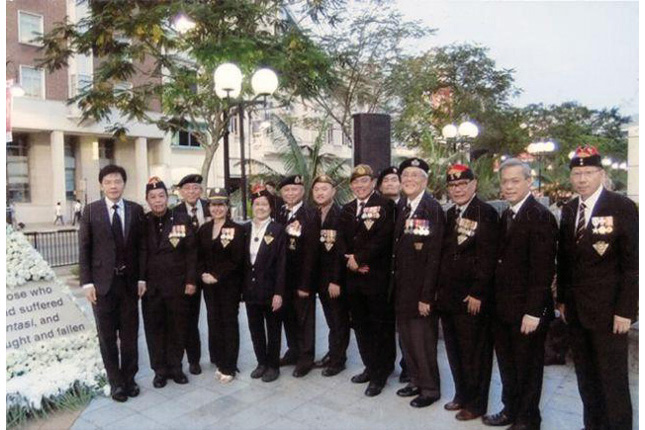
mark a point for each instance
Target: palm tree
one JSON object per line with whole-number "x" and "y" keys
{"x": 306, "y": 160}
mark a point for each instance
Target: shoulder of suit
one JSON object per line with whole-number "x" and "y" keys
{"x": 617, "y": 198}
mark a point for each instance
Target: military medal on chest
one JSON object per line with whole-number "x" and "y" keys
{"x": 176, "y": 234}
{"x": 268, "y": 238}
{"x": 294, "y": 230}
{"x": 370, "y": 215}
{"x": 226, "y": 236}
{"x": 602, "y": 224}
{"x": 465, "y": 228}
{"x": 600, "y": 247}
{"x": 328, "y": 238}
{"x": 417, "y": 227}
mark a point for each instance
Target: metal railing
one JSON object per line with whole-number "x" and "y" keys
{"x": 58, "y": 248}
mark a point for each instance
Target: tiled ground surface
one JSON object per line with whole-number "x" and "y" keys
{"x": 312, "y": 402}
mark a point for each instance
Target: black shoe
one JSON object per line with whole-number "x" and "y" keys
{"x": 373, "y": 389}
{"x": 497, "y": 420}
{"x": 119, "y": 395}
{"x": 289, "y": 359}
{"x": 132, "y": 390}
{"x": 258, "y": 372}
{"x": 466, "y": 415}
{"x": 522, "y": 427}
{"x": 324, "y": 362}
{"x": 270, "y": 375}
{"x": 159, "y": 381}
{"x": 404, "y": 377}
{"x": 180, "y": 378}
{"x": 422, "y": 401}
{"x": 195, "y": 369}
{"x": 361, "y": 378}
{"x": 332, "y": 370}
{"x": 301, "y": 371}
{"x": 408, "y": 391}
{"x": 452, "y": 406}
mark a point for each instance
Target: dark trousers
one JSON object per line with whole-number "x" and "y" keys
{"x": 419, "y": 340}
{"x": 117, "y": 324}
{"x": 193, "y": 343}
{"x": 521, "y": 366}
{"x": 372, "y": 317}
{"x": 469, "y": 345}
{"x": 601, "y": 364}
{"x": 337, "y": 317}
{"x": 222, "y": 306}
{"x": 164, "y": 320}
{"x": 289, "y": 320}
{"x": 299, "y": 320}
{"x": 264, "y": 326}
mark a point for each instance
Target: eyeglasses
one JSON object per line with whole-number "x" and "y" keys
{"x": 455, "y": 185}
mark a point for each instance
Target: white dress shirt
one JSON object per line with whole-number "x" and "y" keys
{"x": 293, "y": 210}
{"x": 517, "y": 206}
{"x": 414, "y": 204}
{"x": 120, "y": 210}
{"x": 257, "y": 235}
{"x": 462, "y": 208}
{"x": 358, "y": 204}
{"x": 199, "y": 214}
{"x": 589, "y": 205}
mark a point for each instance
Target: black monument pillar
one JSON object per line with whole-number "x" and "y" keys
{"x": 372, "y": 144}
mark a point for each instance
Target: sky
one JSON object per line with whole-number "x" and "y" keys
{"x": 580, "y": 51}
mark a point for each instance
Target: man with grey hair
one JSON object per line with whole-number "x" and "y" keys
{"x": 524, "y": 303}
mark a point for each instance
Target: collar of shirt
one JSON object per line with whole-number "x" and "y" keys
{"x": 358, "y": 203}
{"x": 259, "y": 230}
{"x": 293, "y": 210}
{"x": 200, "y": 211}
{"x": 516, "y": 207}
{"x": 589, "y": 205}
{"x": 415, "y": 203}
{"x": 462, "y": 208}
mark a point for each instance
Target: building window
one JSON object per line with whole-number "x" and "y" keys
{"x": 30, "y": 26}
{"x": 79, "y": 83}
{"x": 32, "y": 81}
{"x": 106, "y": 152}
{"x": 185, "y": 139}
{"x": 232, "y": 125}
{"x": 330, "y": 135}
{"x": 70, "y": 171}
{"x": 18, "y": 169}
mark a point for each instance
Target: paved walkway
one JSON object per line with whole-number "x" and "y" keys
{"x": 312, "y": 402}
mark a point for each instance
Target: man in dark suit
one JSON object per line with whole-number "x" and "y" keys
{"x": 524, "y": 302}
{"x": 109, "y": 251}
{"x": 366, "y": 226}
{"x": 170, "y": 267}
{"x": 465, "y": 288}
{"x": 302, "y": 228}
{"x": 598, "y": 290}
{"x": 388, "y": 184}
{"x": 331, "y": 267}
{"x": 418, "y": 234}
{"x": 196, "y": 208}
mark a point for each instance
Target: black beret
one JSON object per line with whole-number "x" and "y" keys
{"x": 585, "y": 156}
{"x": 190, "y": 179}
{"x": 457, "y": 172}
{"x": 392, "y": 170}
{"x": 292, "y": 180}
{"x": 414, "y": 162}
{"x": 155, "y": 183}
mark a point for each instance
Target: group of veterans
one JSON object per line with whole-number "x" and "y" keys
{"x": 389, "y": 261}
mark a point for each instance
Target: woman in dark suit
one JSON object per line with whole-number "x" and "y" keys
{"x": 221, "y": 258}
{"x": 264, "y": 267}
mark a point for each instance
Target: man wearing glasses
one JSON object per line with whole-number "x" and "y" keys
{"x": 598, "y": 290}
{"x": 465, "y": 286}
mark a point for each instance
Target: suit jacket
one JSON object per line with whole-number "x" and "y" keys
{"x": 332, "y": 261}
{"x": 469, "y": 256}
{"x": 97, "y": 256}
{"x": 302, "y": 241}
{"x": 167, "y": 267}
{"x": 266, "y": 277}
{"x": 526, "y": 264}
{"x": 417, "y": 255}
{"x": 598, "y": 278}
{"x": 222, "y": 257}
{"x": 370, "y": 240}
{"x": 181, "y": 208}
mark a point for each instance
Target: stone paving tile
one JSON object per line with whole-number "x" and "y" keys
{"x": 148, "y": 398}
{"x": 248, "y": 419}
{"x": 134, "y": 422}
{"x": 165, "y": 412}
{"x": 81, "y": 424}
{"x": 108, "y": 414}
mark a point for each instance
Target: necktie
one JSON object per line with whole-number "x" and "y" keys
{"x": 117, "y": 232}
{"x": 361, "y": 206}
{"x": 581, "y": 227}
{"x": 457, "y": 216}
{"x": 510, "y": 215}
{"x": 194, "y": 219}
{"x": 407, "y": 210}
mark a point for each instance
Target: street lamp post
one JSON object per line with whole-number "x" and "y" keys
{"x": 459, "y": 134}
{"x": 539, "y": 149}
{"x": 228, "y": 85}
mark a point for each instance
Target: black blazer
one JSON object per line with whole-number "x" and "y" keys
{"x": 222, "y": 257}
{"x": 169, "y": 268}
{"x": 332, "y": 261}
{"x": 97, "y": 248}
{"x": 302, "y": 249}
{"x": 526, "y": 264}
{"x": 417, "y": 256}
{"x": 469, "y": 258}
{"x": 266, "y": 277}
{"x": 371, "y": 246}
{"x": 595, "y": 283}
{"x": 181, "y": 209}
